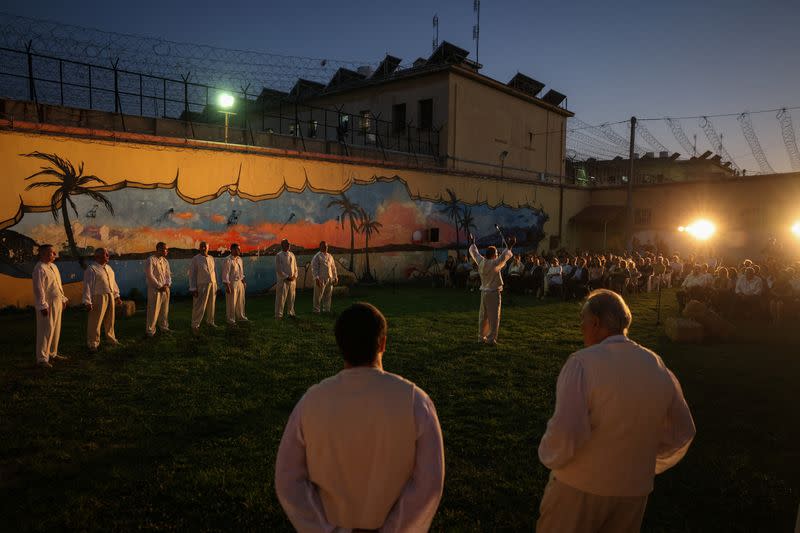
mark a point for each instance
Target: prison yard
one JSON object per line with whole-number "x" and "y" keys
{"x": 181, "y": 433}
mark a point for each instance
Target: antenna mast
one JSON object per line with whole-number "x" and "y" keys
{"x": 476, "y": 29}
{"x": 435, "y": 31}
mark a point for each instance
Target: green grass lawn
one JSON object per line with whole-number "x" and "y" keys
{"x": 179, "y": 433}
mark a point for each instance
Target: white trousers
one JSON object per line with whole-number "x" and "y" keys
{"x": 101, "y": 315}
{"x": 489, "y": 316}
{"x": 234, "y": 302}
{"x": 48, "y": 331}
{"x": 284, "y": 297}
{"x": 204, "y": 303}
{"x": 568, "y": 510}
{"x": 157, "y": 310}
{"x": 323, "y": 295}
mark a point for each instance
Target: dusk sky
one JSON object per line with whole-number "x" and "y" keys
{"x": 612, "y": 59}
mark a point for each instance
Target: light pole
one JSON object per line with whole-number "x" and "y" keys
{"x": 226, "y": 102}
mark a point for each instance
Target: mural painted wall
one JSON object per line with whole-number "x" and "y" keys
{"x": 375, "y": 228}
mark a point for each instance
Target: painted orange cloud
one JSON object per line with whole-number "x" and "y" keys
{"x": 219, "y": 219}
{"x": 184, "y": 215}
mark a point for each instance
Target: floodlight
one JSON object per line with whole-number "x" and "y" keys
{"x": 701, "y": 229}
{"x": 225, "y": 100}
{"x": 796, "y": 228}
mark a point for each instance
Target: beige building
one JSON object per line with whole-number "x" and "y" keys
{"x": 441, "y": 108}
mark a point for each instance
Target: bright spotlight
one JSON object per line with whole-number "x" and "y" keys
{"x": 225, "y": 100}
{"x": 681, "y": 228}
{"x": 796, "y": 228}
{"x": 701, "y": 229}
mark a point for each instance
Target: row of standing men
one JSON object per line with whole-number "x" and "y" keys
{"x": 101, "y": 293}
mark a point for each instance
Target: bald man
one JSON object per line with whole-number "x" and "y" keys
{"x": 50, "y": 301}
{"x": 100, "y": 296}
{"x": 620, "y": 419}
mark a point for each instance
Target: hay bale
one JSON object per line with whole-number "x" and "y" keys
{"x": 341, "y": 291}
{"x": 715, "y": 326}
{"x": 694, "y": 309}
{"x": 127, "y": 309}
{"x": 683, "y": 330}
{"x": 346, "y": 278}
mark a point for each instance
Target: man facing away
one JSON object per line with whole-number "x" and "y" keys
{"x": 286, "y": 274}
{"x": 323, "y": 268}
{"x": 203, "y": 288}
{"x": 362, "y": 450}
{"x": 50, "y": 301}
{"x": 489, "y": 268}
{"x": 100, "y": 295}
{"x": 620, "y": 418}
{"x": 233, "y": 279}
{"x": 159, "y": 280}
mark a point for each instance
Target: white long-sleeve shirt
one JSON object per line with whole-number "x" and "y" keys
{"x": 414, "y": 509}
{"x": 99, "y": 280}
{"x": 749, "y": 287}
{"x": 232, "y": 269}
{"x": 620, "y": 418}
{"x": 202, "y": 271}
{"x": 47, "y": 288}
{"x": 323, "y": 267}
{"x": 157, "y": 272}
{"x": 285, "y": 265}
{"x": 695, "y": 280}
{"x": 489, "y": 269}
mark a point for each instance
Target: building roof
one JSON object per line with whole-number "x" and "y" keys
{"x": 447, "y": 57}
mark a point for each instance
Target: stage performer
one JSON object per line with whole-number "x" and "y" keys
{"x": 235, "y": 285}
{"x": 203, "y": 288}
{"x": 620, "y": 418}
{"x": 100, "y": 296}
{"x": 50, "y": 301}
{"x": 159, "y": 280}
{"x": 323, "y": 268}
{"x": 286, "y": 273}
{"x": 362, "y": 450}
{"x": 489, "y": 268}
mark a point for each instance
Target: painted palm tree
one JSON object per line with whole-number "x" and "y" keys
{"x": 467, "y": 221}
{"x": 352, "y": 212}
{"x": 368, "y": 227}
{"x": 68, "y": 181}
{"x": 453, "y": 212}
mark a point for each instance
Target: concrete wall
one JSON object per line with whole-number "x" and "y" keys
{"x": 486, "y": 122}
{"x": 746, "y": 210}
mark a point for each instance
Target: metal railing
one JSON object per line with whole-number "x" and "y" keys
{"x": 43, "y": 79}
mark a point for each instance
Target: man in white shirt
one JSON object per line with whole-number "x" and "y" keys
{"x": 749, "y": 289}
{"x": 50, "y": 301}
{"x": 203, "y": 288}
{"x": 323, "y": 268}
{"x": 235, "y": 285}
{"x": 362, "y": 450}
{"x": 696, "y": 286}
{"x": 620, "y": 418}
{"x": 489, "y": 268}
{"x": 286, "y": 274}
{"x": 159, "y": 280}
{"x": 100, "y": 295}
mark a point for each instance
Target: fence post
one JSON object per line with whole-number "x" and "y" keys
{"x": 61, "y": 80}
{"x": 141, "y": 97}
{"x": 186, "y": 117}
{"x": 247, "y": 125}
{"x": 376, "y": 119}
{"x": 116, "y": 85}
{"x": 297, "y": 127}
{"x": 31, "y": 84}
{"x": 91, "y": 105}
{"x": 164, "y": 97}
